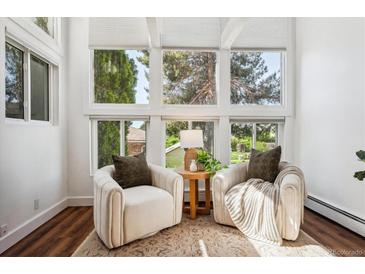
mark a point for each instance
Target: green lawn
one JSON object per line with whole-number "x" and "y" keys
{"x": 239, "y": 157}
{"x": 175, "y": 158}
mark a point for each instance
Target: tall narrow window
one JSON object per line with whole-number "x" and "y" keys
{"x": 39, "y": 87}
{"x": 121, "y": 76}
{"x": 256, "y": 78}
{"x": 189, "y": 77}
{"x": 124, "y": 137}
{"x": 14, "y": 82}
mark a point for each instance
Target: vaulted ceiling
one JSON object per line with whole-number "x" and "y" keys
{"x": 189, "y": 32}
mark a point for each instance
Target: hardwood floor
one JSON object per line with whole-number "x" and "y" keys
{"x": 60, "y": 236}
{"x": 65, "y": 232}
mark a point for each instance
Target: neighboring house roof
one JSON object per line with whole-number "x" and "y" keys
{"x": 173, "y": 147}
{"x": 136, "y": 135}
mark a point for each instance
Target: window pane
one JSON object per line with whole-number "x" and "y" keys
{"x": 45, "y": 23}
{"x": 14, "y": 82}
{"x": 266, "y": 136}
{"x": 121, "y": 76}
{"x": 39, "y": 89}
{"x": 108, "y": 142}
{"x": 189, "y": 77}
{"x": 208, "y": 134}
{"x": 174, "y": 152}
{"x": 255, "y": 78}
{"x": 241, "y": 142}
{"x": 135, "y": 137}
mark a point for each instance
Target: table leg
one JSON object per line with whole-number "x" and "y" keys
{"x": 192, "y": 192}
{"x": 207, "y": 195}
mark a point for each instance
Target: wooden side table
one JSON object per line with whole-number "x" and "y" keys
{"x": 194, "y": 178}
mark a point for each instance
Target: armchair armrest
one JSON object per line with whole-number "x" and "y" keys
{"x": 223, "y": 181}
{"x": 109, "y": 203}
{"x": 291, "y": 204}
{"x": 173, "y": 183}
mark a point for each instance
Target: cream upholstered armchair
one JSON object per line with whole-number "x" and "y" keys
{"x": 125, "y": 215}
{"x": 291, "y": 204}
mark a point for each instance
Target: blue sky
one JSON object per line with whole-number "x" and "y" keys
{"x": 142, "y": 83}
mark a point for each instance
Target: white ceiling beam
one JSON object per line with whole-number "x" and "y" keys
{"x": 231, "y": 30}
{"x": 154, "y": 31}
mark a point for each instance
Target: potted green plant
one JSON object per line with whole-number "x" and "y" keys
{"x": 209, "y": 163}
{"x": 360, "y": 175}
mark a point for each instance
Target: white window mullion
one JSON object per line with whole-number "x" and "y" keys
{"x": 122, "y": 137}
{"x": 254, "y": 134}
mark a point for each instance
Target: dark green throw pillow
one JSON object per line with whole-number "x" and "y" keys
{"x": 264, "y": 165}
{"x": 131, "y": 171}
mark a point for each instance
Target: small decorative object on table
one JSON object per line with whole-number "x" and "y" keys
{"x": 193, "y": 166}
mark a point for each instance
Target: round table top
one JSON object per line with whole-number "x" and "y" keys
{"x": 193, "y": 175}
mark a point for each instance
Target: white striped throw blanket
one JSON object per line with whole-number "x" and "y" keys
{"x": 253, "y": 206}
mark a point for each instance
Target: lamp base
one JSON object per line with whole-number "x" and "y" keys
{"x": 190, "y": 154}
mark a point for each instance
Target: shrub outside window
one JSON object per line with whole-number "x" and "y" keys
{"x": 246, "y": 136}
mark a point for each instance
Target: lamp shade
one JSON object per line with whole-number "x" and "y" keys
{"x": 191, "y": 138}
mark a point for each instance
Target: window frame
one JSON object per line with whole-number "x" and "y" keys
{"x": 217, "y": 78}
{"x": 190, "y": 121}
{"x": 91, "y": 92}
{"x": 280, "y": 124}
{"x": 93, "y": 139}
{"x": 283, "y": 81}
{"x": 27, "y": 53}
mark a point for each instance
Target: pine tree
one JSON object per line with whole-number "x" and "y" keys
{"x": 114, "y": 82}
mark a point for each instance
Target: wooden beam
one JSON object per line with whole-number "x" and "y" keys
{"x": 154, "y": 32}
{"x": 231, "y": 30}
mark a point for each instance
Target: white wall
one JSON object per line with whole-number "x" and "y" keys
{"x": 33, "y": 157}
{"x": 330, "y": 120}
{"x": 79, "y": 179}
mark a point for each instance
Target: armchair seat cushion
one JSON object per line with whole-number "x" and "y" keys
{"x": 148, "y": 209}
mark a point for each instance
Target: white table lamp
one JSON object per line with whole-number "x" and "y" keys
{"x": 189, "y": 140}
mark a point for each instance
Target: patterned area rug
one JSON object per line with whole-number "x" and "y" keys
{"x": 201, "y": 237}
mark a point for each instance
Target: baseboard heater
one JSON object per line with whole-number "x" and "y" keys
{"x": 338, "y": 210}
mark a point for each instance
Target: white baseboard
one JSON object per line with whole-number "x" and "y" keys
{"x": 80, "y": 200}
{"x": 27, "y": 227}
{"x": 346, "y": 219}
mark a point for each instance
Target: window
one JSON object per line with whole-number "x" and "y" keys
{"x": 174, "y": 154}
{"x": 256, "y": 77}
{"x": 27, "y": 81}
{"x": 14, "y": 82}
{"x": 122, "y": 137}
{"x": 39, "y": 89}
{"x": 45, "y": 23}
{"x": 246, "y": 136}
{"x": 189, "y": 77}
{"x": 121, "y": 76}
